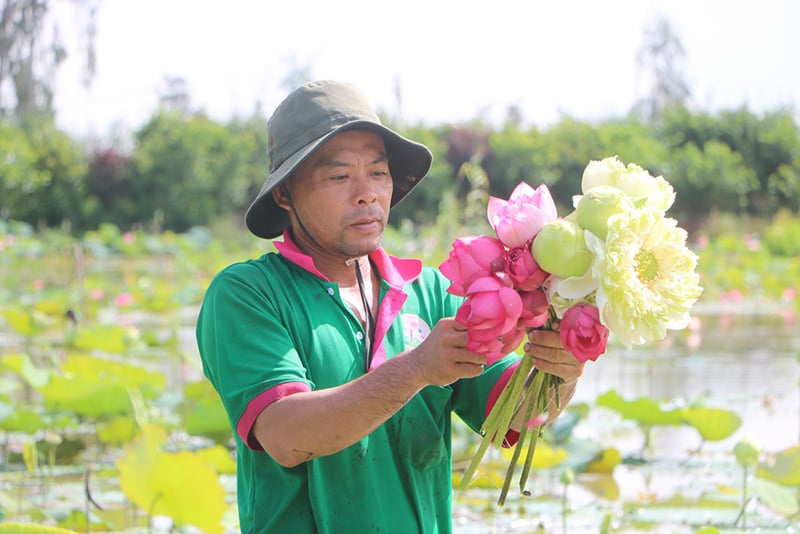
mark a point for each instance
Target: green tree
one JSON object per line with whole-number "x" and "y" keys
{"x": 768, "y": 146}
{"x": 566, "y": 149}
{"x": 18, "y": 179}
{"x": 189, "y": 170}
{"x": 557, "y": 157}
{"x": 633, "y": 141}
{"x": 421, "y": 205}
{"x": 710, "y": 178}
{"x": 250, "y": 136}
{"x": 516, "y": 156}
{"x": 42, "y": 179}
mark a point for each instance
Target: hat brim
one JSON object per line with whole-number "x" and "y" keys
{"x": 409, "y": 162}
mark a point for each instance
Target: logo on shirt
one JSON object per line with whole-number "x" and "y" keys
{"x": 415, "y": 330}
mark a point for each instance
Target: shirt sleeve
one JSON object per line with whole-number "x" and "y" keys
{"x": 247, "y": 352}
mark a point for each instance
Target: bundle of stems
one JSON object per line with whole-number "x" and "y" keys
{"x": 528, "y": 393}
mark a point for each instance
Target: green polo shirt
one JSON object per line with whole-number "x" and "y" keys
{"x": 275, "y": 326}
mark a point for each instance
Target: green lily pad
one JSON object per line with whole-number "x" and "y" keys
{"x": 713, "y": 424}
{"x": 21, "y": 528}
{"x": 644, "y": 410}
{"x": 156, "y": 481}
{"x": 782, "y": 467}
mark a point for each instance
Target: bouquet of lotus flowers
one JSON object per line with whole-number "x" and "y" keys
{"x": 616, "y": 264}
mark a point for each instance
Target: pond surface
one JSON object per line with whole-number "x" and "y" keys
{"x": 744, "y": 358}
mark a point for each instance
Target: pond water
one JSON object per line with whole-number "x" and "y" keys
{"x": 743, "y": 358}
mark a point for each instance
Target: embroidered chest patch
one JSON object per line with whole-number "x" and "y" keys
{"x": 415, "y": 330}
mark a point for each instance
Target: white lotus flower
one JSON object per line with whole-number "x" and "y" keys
{"x": 647, "y": 276}
{"x": 644, "y": 190}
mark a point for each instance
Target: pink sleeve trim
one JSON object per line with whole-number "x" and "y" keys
{"x": 512, "y": 436}
{"x": 255, "y": 406}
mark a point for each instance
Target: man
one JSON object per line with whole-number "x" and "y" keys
{"x": 339, "y": 365}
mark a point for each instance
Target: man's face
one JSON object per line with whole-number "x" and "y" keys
{"x": 342, "y": 194}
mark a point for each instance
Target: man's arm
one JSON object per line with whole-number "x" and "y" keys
{"x": 305, "y": 425}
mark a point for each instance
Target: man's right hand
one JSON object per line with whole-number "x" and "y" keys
{"x": 443, "y": 358}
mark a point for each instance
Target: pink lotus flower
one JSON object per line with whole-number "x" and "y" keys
{"x": 518, "y": 219}
{"x": 732, "y": 295}
{"x": 472, "y": 258}
{"x": 493, "y": 346}
{"x": 523, "y": 269}
{"x": 582, "y": 333}
{"x": 491, "y": 314}
{"x": 535, "y": 309}
{"x": 96, "y": 293}
{"x": 123, "y": 300}
{"x": 492, "y": 304}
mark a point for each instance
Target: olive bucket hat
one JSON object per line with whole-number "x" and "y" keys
{"x": 308, "y": 117}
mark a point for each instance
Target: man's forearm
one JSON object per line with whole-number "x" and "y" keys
{"x": 305, "y": 425}
{"x": 565, "y": 394}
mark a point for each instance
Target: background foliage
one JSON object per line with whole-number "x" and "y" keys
{"x": 186, "y": 170}
{"x": 105, "y": 254}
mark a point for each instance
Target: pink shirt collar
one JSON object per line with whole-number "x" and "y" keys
{"x": 395, "y": 271}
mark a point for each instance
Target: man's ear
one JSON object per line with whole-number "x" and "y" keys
{"x": 281, "y": 196}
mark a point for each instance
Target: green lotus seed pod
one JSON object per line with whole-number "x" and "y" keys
{"x": 560, "y": 249}
{"x": 598, "y": 205}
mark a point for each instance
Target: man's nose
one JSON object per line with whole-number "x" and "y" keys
{"x": 366, "y": 189}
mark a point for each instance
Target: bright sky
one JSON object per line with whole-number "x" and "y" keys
{"x": 452, "y": 61}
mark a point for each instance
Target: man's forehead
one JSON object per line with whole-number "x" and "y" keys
{"x": 356, "y": 140}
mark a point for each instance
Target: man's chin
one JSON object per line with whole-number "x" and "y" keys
{"x": 356, "y": 250}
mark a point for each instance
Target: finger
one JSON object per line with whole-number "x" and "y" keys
{"x": 569, "y": 372}
{"x": 458, "y": 327}
{"x": 470, "y": 370}
{"x": 546, "y": 338}
{"x": 552, "y": 355}
{"x": 471, "y": 358}
{"x": 450, "y": 322}
{"x": 547, "y": 352}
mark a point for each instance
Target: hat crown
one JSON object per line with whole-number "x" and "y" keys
{"x": 312, "y": 111}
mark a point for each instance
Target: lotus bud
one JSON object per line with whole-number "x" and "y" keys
{"x": 598, "y": 205}
{"x": 560, "y": 249}
{"x": 746, "y": 452}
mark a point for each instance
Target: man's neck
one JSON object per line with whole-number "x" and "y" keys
{"x": 343, "y": 271}
{"x": 335, "y": 267}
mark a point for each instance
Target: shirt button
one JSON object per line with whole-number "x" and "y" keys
{"x": 359, "y": 336}
{"x": 330, "y": 291}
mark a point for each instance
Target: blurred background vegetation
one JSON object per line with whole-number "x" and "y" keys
{"x": 107, "y": 245}
{"x": 182, "y": 169}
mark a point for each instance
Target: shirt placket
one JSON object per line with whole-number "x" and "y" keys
{"x": 360, "y": 334}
